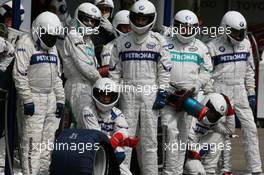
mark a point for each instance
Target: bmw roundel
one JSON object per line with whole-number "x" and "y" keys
{"x": 94, "y": 10}
{"x": 127, "y": 45}
{"x": 221, "y": 48}
{"x": 141, "y": 7}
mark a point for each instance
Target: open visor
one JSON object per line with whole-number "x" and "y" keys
{"x": 88, "y": 20}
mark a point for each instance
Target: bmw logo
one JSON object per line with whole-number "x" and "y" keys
{"x": 171, "y": 46}
{"x": 221, "y": 48}
{"x": 127, "y": 45}
{"x": 94, "y": 10}
{"x": 141, "y": 7}
{"x": 188, "y": 18}
{"x": 241, "y": 24}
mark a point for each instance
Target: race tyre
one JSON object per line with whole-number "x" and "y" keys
{"x": 83, "y": 152}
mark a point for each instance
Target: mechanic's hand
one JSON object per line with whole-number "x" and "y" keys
{"x": 116, "y": 139}
{"x": 29, "y": 109}
{"x": 252, "y": 102}
{"x": 103, "y": 70}
{"x": 160, "y": 101}
{"x": 106, "y": 24}
{"x": 131, "y": 142}
{"x": 59, "y": 110}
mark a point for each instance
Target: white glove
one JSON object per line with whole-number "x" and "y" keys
{"x": 6, "y": 46}
{"x": 106, "y": 24}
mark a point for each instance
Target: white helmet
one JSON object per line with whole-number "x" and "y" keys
{"x": 45, "y": 29}
{"x": 105, "y": 87}
{"x": 106, "y": 3}
{"x": 218, "y": 107}
{"x": 122, "y": 17}
{"x": 216, "y": 102}
{"x": 59, "y": 7}
{"x": 83, "y": 16}
{"x": 6, "y": 9}
{"x": 186, "y": 19}
{"x": 145, "y": 9}
{"x": 235, "y": 25}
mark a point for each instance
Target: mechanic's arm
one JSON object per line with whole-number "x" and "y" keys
{"x": 121, "y": 125}
{"x": 164, "y": 67}
{"x": 115, "y": 65}
{"x": 84, "y": 62}
{"x": 250, "y": 74}
{"x": 6, "y": 54}
{"x": 59, "y": 91}
{"x": 20, "y": 70}
{"x": 206, "y": 68}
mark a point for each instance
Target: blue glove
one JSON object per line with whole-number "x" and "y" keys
{"x": 252, "y": 102}
{"x": 59, "y": 110}
{"x": 160, "y": 99}
{"x": 29, "y": 109}
{"x": 120, "y": 157}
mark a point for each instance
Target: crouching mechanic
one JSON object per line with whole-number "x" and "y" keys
{"x": 36, "y": 74}
{"x": 233, "y": 75}
{"x": 142, "y": 62}
{"x": 206, "y": 140}
{"x": 111, "y": 120}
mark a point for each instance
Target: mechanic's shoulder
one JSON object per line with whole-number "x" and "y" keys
{"x": 157, "y": 36}
{"x": 200, "y": 44}
{"x": 216, "y": 41}
{"x": 25, "y": 41}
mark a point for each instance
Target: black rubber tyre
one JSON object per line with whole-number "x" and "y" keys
{"x": 95, "y": 155}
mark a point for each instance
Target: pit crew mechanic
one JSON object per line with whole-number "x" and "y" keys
{"x": 36, "y": 74}
{"x": 191, "y": 66}
{"x": 79, "y": 63}
{"x": 233, "y": 75}
{"x": 140, "y": 60}
{"x": 207, "y": 141}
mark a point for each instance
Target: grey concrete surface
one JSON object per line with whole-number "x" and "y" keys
{"x": 238, "y": 157}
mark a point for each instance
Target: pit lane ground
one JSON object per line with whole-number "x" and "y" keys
{"x": 238, "y": 159}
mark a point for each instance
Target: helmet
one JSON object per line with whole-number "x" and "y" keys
{"x": 105, "y": 3}
{"x": 237, "y": 25}
{"x": 105, "y": 87}
{"x": 216, "y": 102}
{"x": 142, "y": 9}
{"x": 59, "y": 7}
{"x": 88, "y": 18}
{"x": 45, "y": 29}
{"x": 122, "y": 17}
{"x": 6, "y": 11}
{"x": 187, "y": 20}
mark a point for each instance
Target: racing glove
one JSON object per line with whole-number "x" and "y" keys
{"x": 59, "y": 110}
{"x": 252, "y": 102}
{"x": 116, "y": 139}
{"x": 160, "y": 101}
{"x": 131, "y": 142}
{"x": 29, "y": 108}
{"x": 106, "y": 24}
